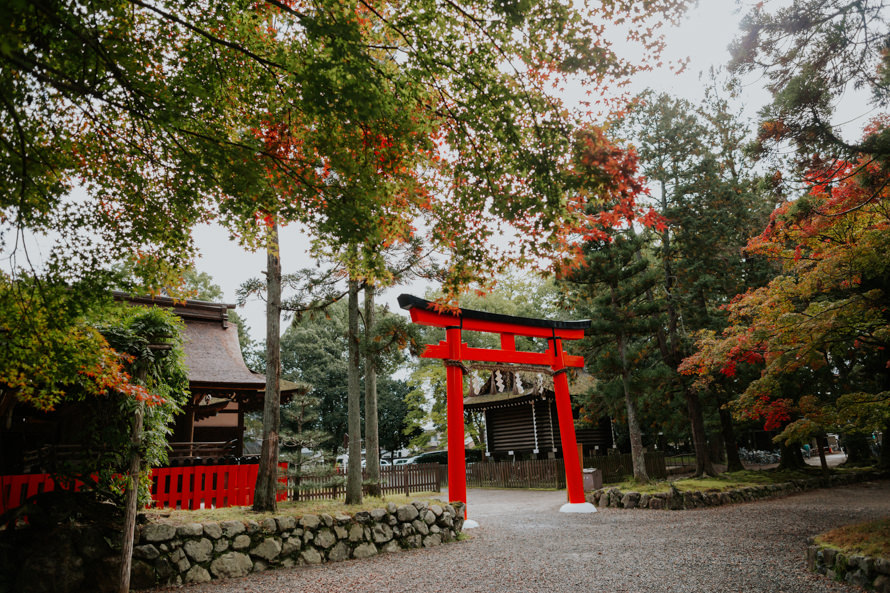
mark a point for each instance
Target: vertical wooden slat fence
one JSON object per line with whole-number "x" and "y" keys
{"x": 536, "y": 473}
{"x": 403, "y": 479}
{"x": 408, "y": 478}
{"x": 617, "y": 467}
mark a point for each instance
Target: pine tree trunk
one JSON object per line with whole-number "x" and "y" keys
{"x": 372, "y": 442}
{"x": 638, "y": 459}
{"x": 703, "y": 464}
{"x": 733, "y": 461}
{"x": 788, "y": 459}
{"x": 353, "y": 413}
{"x": 265, "y": 493}
{"x": 884, "y": 460}
{"x": 820, "y": 444}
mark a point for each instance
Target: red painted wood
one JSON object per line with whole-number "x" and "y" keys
{"x": 441, "y": 350}
{"x": 554, "y": 357}
{"x": 457, "y": 466}
{"x": 423, "y": 317}
{"x": 574, "y": 482}
{"x": 192, "y": 487}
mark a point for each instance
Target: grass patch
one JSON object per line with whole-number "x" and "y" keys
{"x": 285, "y": 508}
{"x": 720, "y": 483}
{"x": 868, "y": 539}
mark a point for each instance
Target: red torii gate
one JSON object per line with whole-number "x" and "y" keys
{"x": 454, "y": 352}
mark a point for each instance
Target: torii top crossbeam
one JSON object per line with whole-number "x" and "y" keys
{"x": 453, "y": 351}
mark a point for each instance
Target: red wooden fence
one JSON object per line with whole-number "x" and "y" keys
{"x": 195, "y": 487}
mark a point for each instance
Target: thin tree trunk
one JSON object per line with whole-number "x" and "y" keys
{"x": 884, "y": 461}
{"x": 638, "y": 456}
{"x": 638, "y": 459}
{"x": 733, "y": 461}
{"x": 372, "y": 441}
{"x": 298, "y": 464}
{"x": 266, "y": 490}
{"x": 131, "y": 500}
{"x": 353, "y": 413}
{"x": 820, "y": 444}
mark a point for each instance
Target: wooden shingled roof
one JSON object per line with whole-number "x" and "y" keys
{"x": 213, "y": 356}
{"x": 212, "y": 352}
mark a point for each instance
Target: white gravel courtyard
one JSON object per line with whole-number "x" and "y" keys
{"x": 524, "y": 545}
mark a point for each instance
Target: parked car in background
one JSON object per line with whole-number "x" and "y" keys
{"x": 404, "y": 461}
{"x": 471, "y": 455}
{"x": 432, "y": 457}
{"x": 383, "y": 463}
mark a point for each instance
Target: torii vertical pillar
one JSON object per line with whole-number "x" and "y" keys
{"x": 457, "y": 460}
{"x": 574, "y": 482}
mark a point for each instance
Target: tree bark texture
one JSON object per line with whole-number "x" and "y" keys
{"x": 703, "y": 465}
{"x": 130, "y": 504}
{"x": 266, "y": 490}
{"x": 638, "y": 459}
{"x": 353, "y": 401}
{"x": 733, "y": 461}
{"x": 884, "y": 460}
{"x": 790, "y": 457}
{"x": 372, "y": 440}
{"x": 821, "y": 443}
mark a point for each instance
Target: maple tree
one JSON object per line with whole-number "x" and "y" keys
{"x": 824, "y": 319}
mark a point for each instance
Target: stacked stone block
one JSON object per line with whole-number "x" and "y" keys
{"x": 676, "y": 500}
{"x": 171, "y": 555}
{"x": 861, "y": 571}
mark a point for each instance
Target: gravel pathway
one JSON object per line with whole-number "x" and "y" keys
{"x": 524, "y": 545}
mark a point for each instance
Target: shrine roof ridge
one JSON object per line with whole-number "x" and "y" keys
{"x": 407, "y": 302}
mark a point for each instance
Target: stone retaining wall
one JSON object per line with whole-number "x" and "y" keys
{"x": 862, "y": 571}
{"x": 677, "y": 500}
{"x": 172, "y": 555}
{"x": 85, "y": 558}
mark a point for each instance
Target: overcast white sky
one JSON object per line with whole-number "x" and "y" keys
{"x": 703, "y": 37}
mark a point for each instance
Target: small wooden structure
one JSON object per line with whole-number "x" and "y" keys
{"x": 211, "y": 426}
{"x": 222, "y": 387}
{"x": 521, "y": 418}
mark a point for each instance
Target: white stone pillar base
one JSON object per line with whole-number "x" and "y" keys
{"x": 577, "y": 507}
